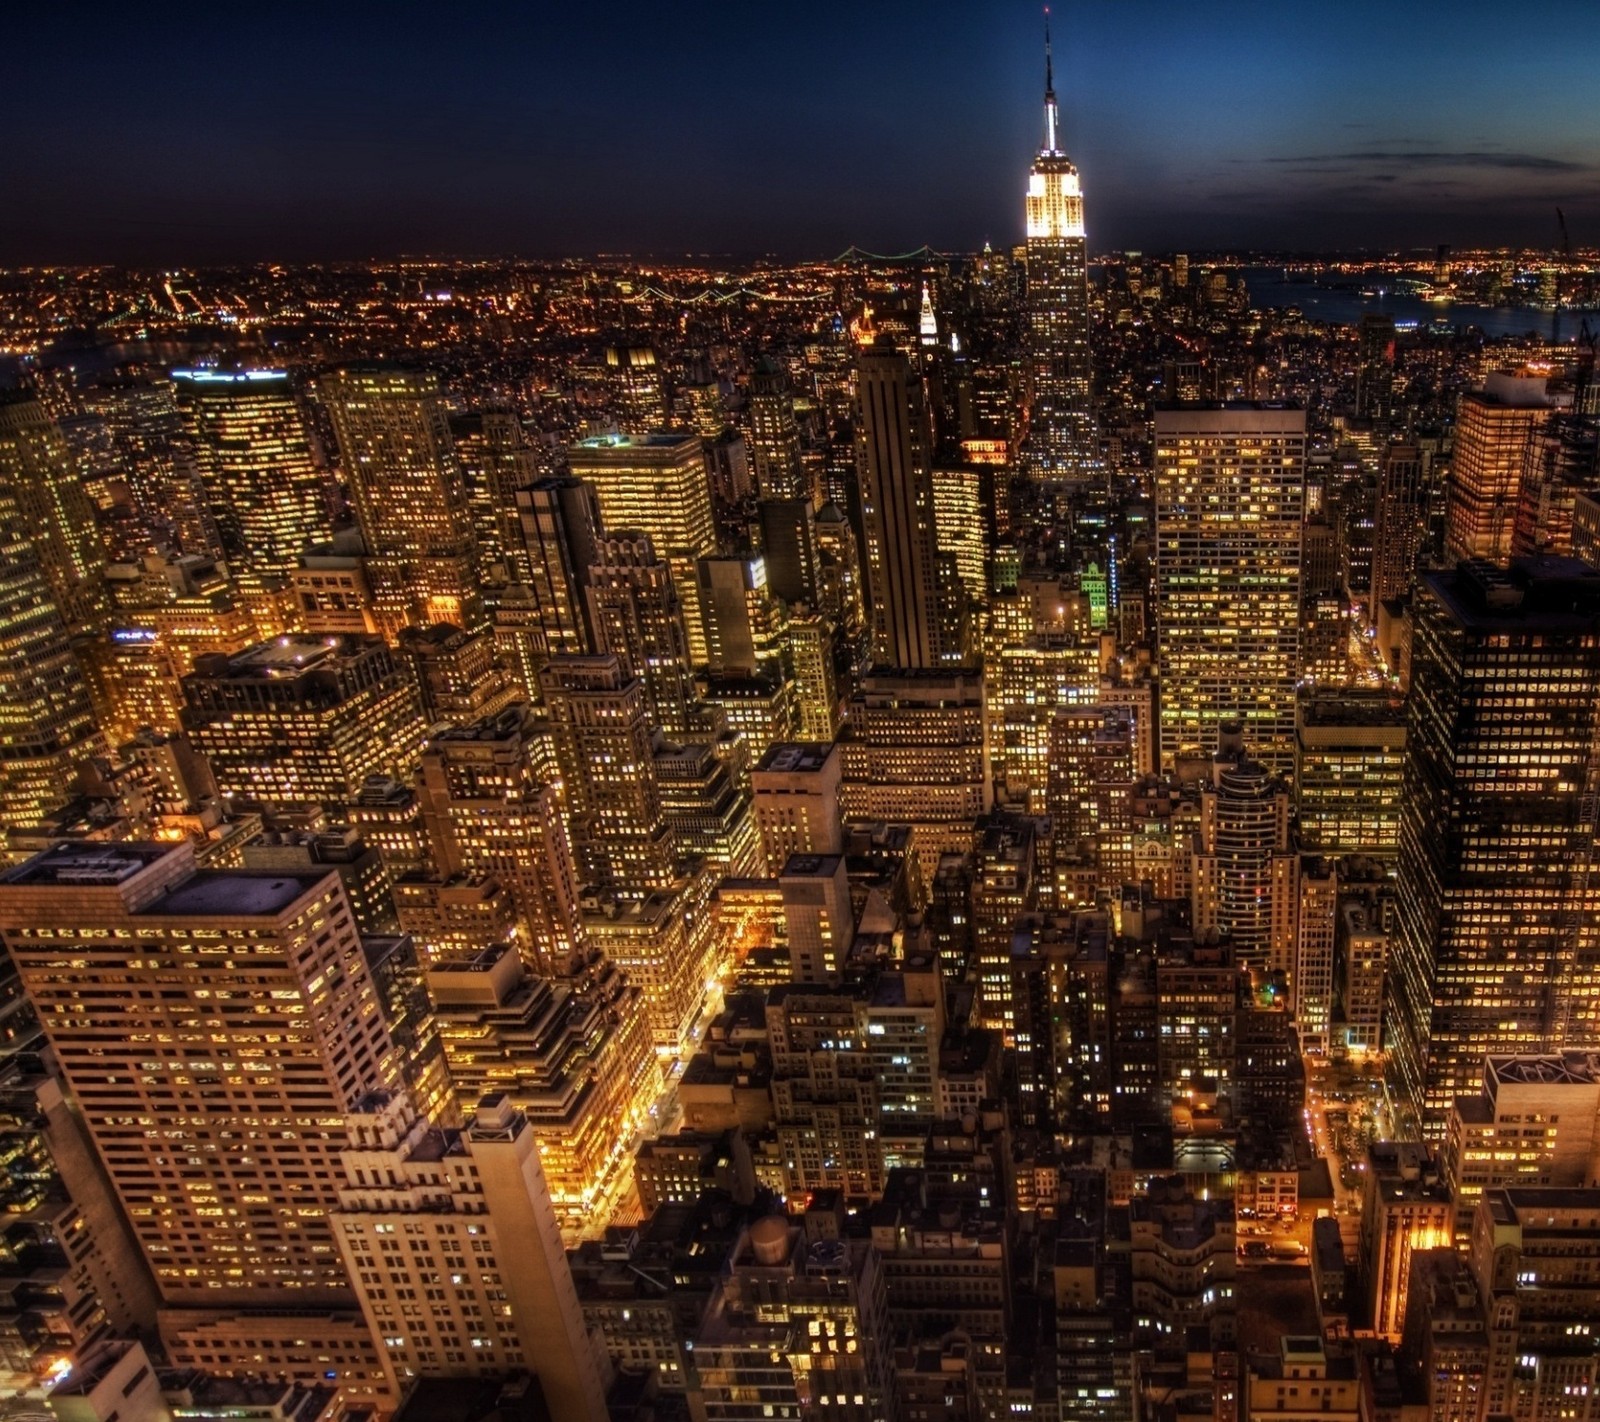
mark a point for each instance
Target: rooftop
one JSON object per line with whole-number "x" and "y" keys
{"x": 1565, "y": 1069}
{"x": 1551, "y": 592}
{"x": 286, "y": 656}
{"x": 233, "y": 893}
{"x": 86, "y": 865}
{"x": 512, "y": 1398}
{"x": 654, "y": 440}
{"x": 811, "y": 866}
{"x": 796, "y": 757}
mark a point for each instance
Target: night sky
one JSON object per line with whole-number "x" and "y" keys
{"x": 148, "y": 133}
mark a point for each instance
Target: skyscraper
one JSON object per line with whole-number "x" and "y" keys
{"x": 1244, "y": 865}
{"x": 912, "y": 753}
{"x": 560, "y": 525}
{"x": 58, "y": 515}
{"x": 253, "y": 457}
{"x": 496, "y": 462}
{"x": 657, "y": 484}
{"x": 476, "y": 1210}
{"x": 1375, "y": 368}
{"x": 744, "y": 621}
{"x": 962, "y": 533}
{"x": 603, "y": 743}
{"x": 1497, "y": 947}
{"x": 215, "y": 1064}
{"x": 46, "y": 722}
{"x": 636, "y": 380}
{"x": 636, "y": 616}
{"x": 303, "y": 720}
{"x": 1492, "y": 429}
{"x": 892, "y": 450}
{"x": 1350, "y": 757}
{"x": 1061, "y": 436}
{"x": 1402, "y": 515}
{"x": 1230, "y": 485}
{"x": 774, "y": 436}
{"x": 487, "y": 813}
{"x": 410, "y": 499}
{"x": 1560, "y": 461}
{"x": 789, "y": 546}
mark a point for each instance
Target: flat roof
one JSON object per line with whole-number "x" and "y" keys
{"x": 235, "y": 893}
{"x": 1567, "y": 1069}
{"x": 86, "y": 864}
{"x": 653, "y": 439}
{"x": 1546, "y": 593}
{"x": 284, "y": 654}
{"x": 811, "y": 866}
{"x": 789, "y": 757}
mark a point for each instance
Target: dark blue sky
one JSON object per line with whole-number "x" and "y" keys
{"x": 180, "y": 132}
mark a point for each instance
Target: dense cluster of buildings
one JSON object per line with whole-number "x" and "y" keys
{"x": 905, "y": 838}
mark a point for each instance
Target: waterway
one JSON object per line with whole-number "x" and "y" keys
{"x": 1340, "y": 306}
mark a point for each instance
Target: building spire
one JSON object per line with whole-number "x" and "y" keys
{"x": 1050, "y": 118}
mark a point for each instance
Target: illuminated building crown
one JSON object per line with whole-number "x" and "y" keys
{"x": 1055, "y": 197}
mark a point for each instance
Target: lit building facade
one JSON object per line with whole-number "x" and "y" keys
{"x": 216, "y": 1063}
{"x": 666, "y": 944}
{"x": 453, "y": 1245}
{"x": 796, "y": 787}
{"x": 1401, "y": 521}
{"x": 486, "y": 813}
{"x": 1535, "y": 1256}
{"x": 799, "y": 1328}
{"x": 1536, "y": 1121}
{"x": 303, "y": 720}
{"x": 1061, "y": 442}
{"x": 559, "y": 520}
{"x": 44, "y": 477}
{"x": 1350, "y": 751}
{"x": 253, "y": 456}
{"x": 912, "y": 753}
{"x": 603, "y": 745}
{"x": 47, "y": 723}
{"x": 744, "y": 622}
{"x": 774, "y": 435}
{"x": 961, "y": 527}
{"x": 1230, "y": 486}
{"x": 573, "y": 1054}
{"x": 1245, "y": 867}
{"x": 1493, "y": 426}
{"x": 657, "y": 483}
{"x": 409, "y": 495}
{"x": 1497, "y": 897}
{"x": 1405, "y": 1208}
{"x": 635, "y": 614}
{"x": 496, "y": 463}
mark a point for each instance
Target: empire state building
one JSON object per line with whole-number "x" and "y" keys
{"x": 1061, "y": 440}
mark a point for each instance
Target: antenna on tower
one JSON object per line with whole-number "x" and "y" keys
{"x": 1049, "y": 90}
{"x": 1049, "y": 77}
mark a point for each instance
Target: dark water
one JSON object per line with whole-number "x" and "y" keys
{"x": 1346, "y": 308}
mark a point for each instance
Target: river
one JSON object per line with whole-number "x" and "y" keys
{"x": 1341, "y": 307}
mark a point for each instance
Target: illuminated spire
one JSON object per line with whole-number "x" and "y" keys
{"x": 929, "y": 325}
{"x": 1050, "y": 117}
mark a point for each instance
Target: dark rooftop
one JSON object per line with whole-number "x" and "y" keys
{"x": 232, "y": 893}
{"x": 514, "y": 1398}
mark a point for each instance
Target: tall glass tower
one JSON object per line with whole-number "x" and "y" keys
{"x": 1498, "y": 900}
{"x": 1060, "y": 442}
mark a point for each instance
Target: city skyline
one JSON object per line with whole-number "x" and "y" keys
{"x": 968, "y": 835}
{"x": 790, "y": 133}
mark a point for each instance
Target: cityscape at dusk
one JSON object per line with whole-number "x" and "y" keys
{"x": 830, "y": 713}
